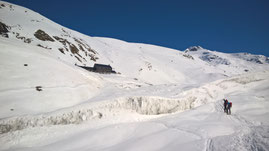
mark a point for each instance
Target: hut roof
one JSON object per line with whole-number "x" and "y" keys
{"x": 102, "y": 65}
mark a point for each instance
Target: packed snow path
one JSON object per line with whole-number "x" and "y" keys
{"x": 136, "y": 123}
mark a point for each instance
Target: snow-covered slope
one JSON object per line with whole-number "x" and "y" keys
{"x": 24, "y": 68}
{"x": 159, "y": 99}
{"x": 140, "y": 61}
{"x": 230, "y": 63}
{"x": 153, "y": 123}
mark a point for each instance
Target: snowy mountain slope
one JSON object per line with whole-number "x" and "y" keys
{"x": 236, "y": 62}
{"x": 24, "y": 67}
{"x": 160, "y": 99}
{"x": 30, "y": 27}
{"x": 205, "y": 127}
{"x": 137, "y": 60}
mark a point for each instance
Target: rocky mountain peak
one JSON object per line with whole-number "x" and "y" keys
{"x": 193, "y": 48}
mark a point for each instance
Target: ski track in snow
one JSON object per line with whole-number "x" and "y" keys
{"x": 242, "y": 137}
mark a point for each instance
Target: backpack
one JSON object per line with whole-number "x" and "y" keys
{"x": 231, "y": 104}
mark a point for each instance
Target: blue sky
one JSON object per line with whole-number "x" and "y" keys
{"x": 221, "y": 25}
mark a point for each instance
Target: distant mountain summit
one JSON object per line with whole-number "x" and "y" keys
{"x": 193, "y": 48}
{"x": 217, "y": 58}
{"x": 260, "y": 59}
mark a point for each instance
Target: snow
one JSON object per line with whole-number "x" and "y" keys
{"x": 160, "y": 99}
{"x": 121, "y": 127}
{"x": 62, "y": 87}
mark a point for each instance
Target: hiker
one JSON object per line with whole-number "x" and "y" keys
{"x": 229, "y": 106}
{"x": 225, "y": 105}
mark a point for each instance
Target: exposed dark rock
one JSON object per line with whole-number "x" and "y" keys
{"x": 73, "y": 49}
{"x": 2, "y": 5}
{"x": 78, "y": 59}
{"x": 38, "y": 88}
{"x": 26, "y": 40}
{"x": 61, "y": 50}
{"x": 43, "y": 47}
{"x": 214, "y": 59}
{"x": 259, "y": 59}
{"x": 93, "y": 58}
{"x": 35, "y": 20}
{"x": 193, "y": 48}
{"x": 81, "y": 48}
{"x": 85, "y": 45}
{"x": 65, "y": 33}
{"x": 188, "y": 56}
{"x": 91, "y": 50}
{"x": 84, "y": 59}
{"x": 69, "y": 46}
{"x": 41, "y": 35}
{"x": 255, "y": 59}
{"x": 4, "y": 29}
{"x": 63, "y": 41}
{"x": 80, "y": 44}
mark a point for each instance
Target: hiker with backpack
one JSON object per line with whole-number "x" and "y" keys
{"x": 225, "y": 103}
{"x": 229, "y": 106}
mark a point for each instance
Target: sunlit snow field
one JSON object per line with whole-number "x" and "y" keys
{"x": 159, "y": 99}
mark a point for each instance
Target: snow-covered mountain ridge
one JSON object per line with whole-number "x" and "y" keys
{"x": 215, "y": 59}
{"x": 160, "y": 98}
{"x": 29, "y": 27}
